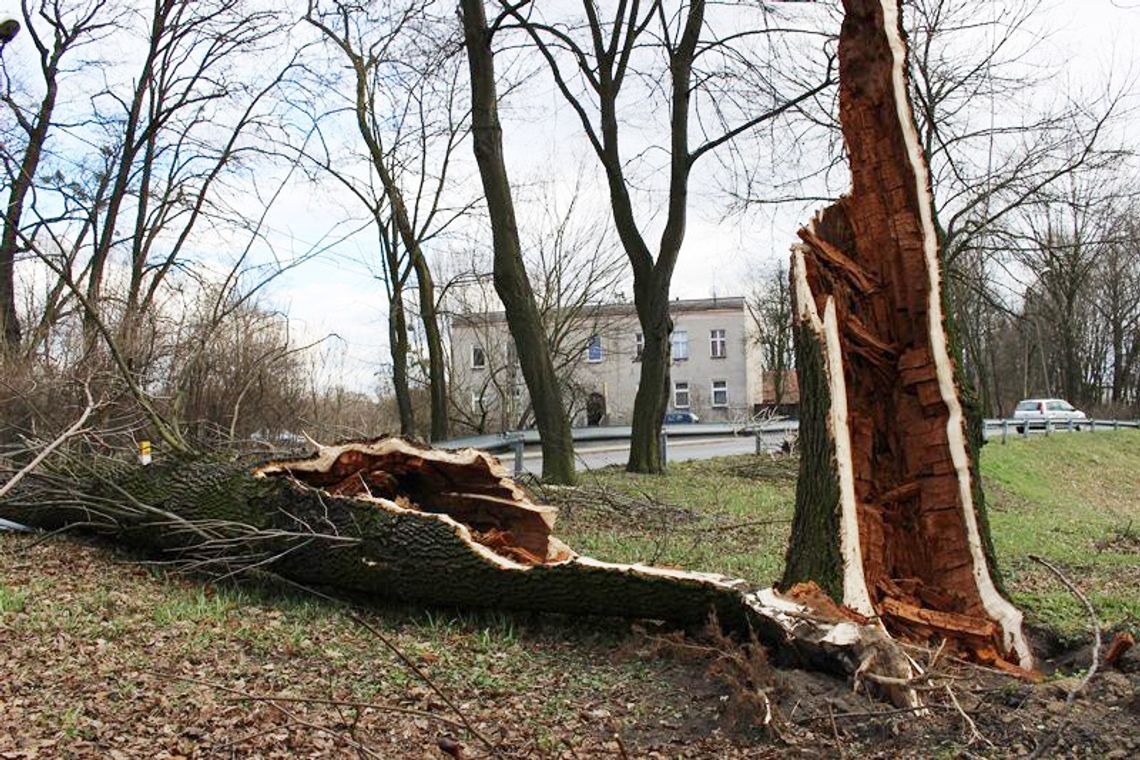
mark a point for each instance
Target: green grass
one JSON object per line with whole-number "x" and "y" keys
{"x": 12, "y": 600}
{"x": 1073, "y": 499}
{"x": 742, "y": 509}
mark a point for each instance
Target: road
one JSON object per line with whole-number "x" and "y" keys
{"x": 603, "y": 454}
{"x": 591, "y": 456}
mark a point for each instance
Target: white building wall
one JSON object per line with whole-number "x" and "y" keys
{"x": 616, "y": 374}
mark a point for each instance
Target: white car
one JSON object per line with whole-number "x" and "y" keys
{"x": 1035, "y": 412}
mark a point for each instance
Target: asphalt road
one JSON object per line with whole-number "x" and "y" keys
{"x": 591, "y": 457}
{"x": 604, "y": 453}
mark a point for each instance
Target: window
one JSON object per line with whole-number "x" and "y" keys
{"x": 719, "y": 393}
{"x": 680, "y": 346}
{"x": 717, "y": 344}
{"x": 594, "y": 349}
{"x": 681, "y": 395}
{"x": 476, "y": 400}
{"x": 638, "y": 346}
{"x": 478, "y": 358}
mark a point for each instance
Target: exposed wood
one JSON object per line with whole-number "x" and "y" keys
{"x": 888, "y": 471}
{"x": 1121, "y": 643}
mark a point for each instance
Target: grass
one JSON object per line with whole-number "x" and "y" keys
{"x": 1071, "y": 498}
{"x": 1075, "y": 500}
{"x": 736, "y": 518}
{"x": 12, "y": 600}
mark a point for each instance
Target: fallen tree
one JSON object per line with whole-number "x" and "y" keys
{"x": 890, "y": 518}
{"x": 392, "y": 519}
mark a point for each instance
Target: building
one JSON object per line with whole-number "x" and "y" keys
{"x": 715, "y": 370}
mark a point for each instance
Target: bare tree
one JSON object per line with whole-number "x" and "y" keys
{"x": 511, "y": 282}
{"x": 148, "y": 170}
{"x": 408, "y": 113}
{"x": 1116, "y": 297}
{"x": 56, "y": 32}
{"x": 577, "y": 271}
{"x": 993, "y": 148}
{"x": 593, "y": 60}
{"x": 770, "y": 308}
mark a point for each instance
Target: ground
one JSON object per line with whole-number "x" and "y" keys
{"x": 104, "y": 656}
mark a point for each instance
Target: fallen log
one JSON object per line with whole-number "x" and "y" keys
{"x": 392, "y": 519}
{"x": 890, "y": 518}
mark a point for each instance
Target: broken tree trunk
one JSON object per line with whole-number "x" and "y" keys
{"x": 391, "y": 519}
{"x": 889, "y": 512}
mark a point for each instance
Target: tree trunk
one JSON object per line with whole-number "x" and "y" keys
{"x": 21, "y": 185}
{"x": 391, "y": 519}
{"x": 889, "y": 512}
{"x": 652, "y": 397}
{"x": 511, "y": 282}
{"x": 398, "y": 341}
{"x": 437, "y": 360}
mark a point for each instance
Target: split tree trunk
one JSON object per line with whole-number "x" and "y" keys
{"x": 392, "y": 519}
{"x": 889, "y": 512}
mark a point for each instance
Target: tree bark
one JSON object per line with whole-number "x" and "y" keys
{"x": 511, "y": 282}
{"x": 652, "y": 398}
{"x": 391, "y": 519}
{"x": 889, "y": 518}
{"x": 398, "y": 342}
{"x": 437, "y": 359}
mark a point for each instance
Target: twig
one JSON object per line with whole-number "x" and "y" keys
{"x": 621, "y": 747}
{"x": 1043, "y": 747}
{"x": 868, "y": 713}
{"x": 921, "y": 682}
{"x": 75, "y": 428}
{"x": 736, "y": 526}
{"x": 333, "y": 732}
{"x": 250, "y": 737}
{"x": 272, "y": 702}
{"x": 570, "y": 746}
{"x": 355, "y": 705}
{"x": 974, "y": 732}
{"x": 240, "y": 695}
{"x": 835, "y": 732}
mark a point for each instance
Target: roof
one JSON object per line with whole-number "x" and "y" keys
{"x": 676, "y": 306}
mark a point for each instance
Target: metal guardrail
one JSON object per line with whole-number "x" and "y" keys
{"x": 506, "y": 441}
{"x": 1024, "y": 428}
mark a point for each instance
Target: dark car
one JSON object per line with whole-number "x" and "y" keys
{"x": 681, "y": 418}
